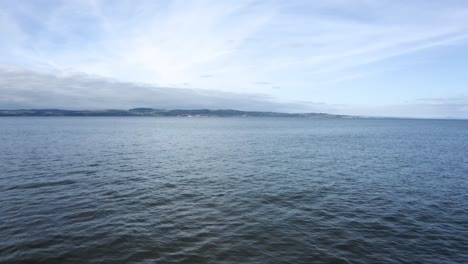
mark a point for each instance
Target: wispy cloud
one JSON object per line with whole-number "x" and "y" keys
{"x": 443, "y": 107}
{"x": 155, "y": 42}
{"x": 176, "y": 41}
{"x": 461, "y": 99}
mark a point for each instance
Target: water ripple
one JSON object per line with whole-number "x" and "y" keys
{"x": 41, "y": 184}
{"x": 155, "y": 190}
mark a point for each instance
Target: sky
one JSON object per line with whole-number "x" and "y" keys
{"x": 359, "y": 57}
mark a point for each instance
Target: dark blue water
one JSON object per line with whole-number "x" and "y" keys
{"x": 233, "y": 190}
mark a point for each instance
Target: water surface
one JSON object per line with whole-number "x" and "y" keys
{"x": 233, "y": 190}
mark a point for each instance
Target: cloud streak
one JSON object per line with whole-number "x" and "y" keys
{"x": 31, "y": 89}
{"x": 178, "y": 41}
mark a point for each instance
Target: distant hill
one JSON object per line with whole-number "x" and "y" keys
{"x": 161, "y": 112}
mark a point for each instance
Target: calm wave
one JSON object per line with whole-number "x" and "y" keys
{"x": 233, "y": 190}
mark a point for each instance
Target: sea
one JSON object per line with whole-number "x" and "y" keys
{"x": 233, "y": 190}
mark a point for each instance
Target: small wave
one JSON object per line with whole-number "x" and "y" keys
{"x": 42, "y": 184}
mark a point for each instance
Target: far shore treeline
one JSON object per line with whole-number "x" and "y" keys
{"x": 161, "y": 112}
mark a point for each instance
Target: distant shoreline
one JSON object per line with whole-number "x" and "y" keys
{"x": 151, "y": 112}
{"x": 162, "y": 113}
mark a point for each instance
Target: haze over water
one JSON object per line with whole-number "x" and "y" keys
{"x": 233, "y": 190}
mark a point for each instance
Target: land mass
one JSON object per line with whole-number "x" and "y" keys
{"x": 162, "y": 112}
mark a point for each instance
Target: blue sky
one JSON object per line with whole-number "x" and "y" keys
{"x": 389, "y": 58}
